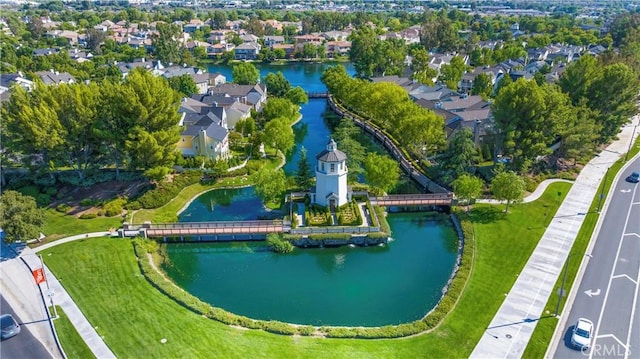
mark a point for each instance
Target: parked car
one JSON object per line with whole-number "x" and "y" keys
{"x": 9, "y": 326}
{"x": 634, "y": 177}
{"x": 582, "y": 334}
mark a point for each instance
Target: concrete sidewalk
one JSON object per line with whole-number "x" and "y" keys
{"x": 511, "y": 328}
{"x": 62, "y": 298}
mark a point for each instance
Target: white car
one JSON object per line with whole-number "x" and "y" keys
{"x": 582, "y": 334}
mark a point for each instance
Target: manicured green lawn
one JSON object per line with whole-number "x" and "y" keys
{"x": 58, "y": 225}
{"x": 72, "y": 343}
{"x": 133, "y": 316}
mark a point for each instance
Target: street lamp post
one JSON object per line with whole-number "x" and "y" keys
{"x": 564, "y": 279}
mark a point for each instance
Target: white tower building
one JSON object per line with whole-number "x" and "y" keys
{"x": 331, "y": 177}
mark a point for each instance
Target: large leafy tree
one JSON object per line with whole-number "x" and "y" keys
{"x": 439, "y": 33}
{"x": 245, "y": 73}
{"x": 270, "y": 185}
{"x": 526, "y": 116}
{"x": 460, "y": 155}
{"x": 277, "y": 84}
{"x": 165, "y": 43}
{"x": 32, "y": 121}
{"x": 451, "y": 73}
{"x": 279, "y": 107}
{"x": 381, "y": 172}
{"x": 609, "y": 91}
{"x": 482, "y": 86}
{"x": 467, "y": 187}
{"x": 297, "y": 96}
{"x": 20, "y": 218}
{"x": 152, "y": 141}
{"x": 374, "y": 57}
{"x": 508, "y": 186}
{"x": 279, "y": 134}
{"x": 183, "y": 84}
{"x": 420, "y": 67}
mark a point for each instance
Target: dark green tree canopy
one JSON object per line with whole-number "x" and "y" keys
{"x": 245, "y": 73}
{"x": 21, "y": 218}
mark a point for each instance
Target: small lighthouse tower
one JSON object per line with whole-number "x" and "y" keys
{"x": 331, "y": 177}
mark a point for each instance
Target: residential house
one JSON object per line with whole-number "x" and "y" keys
{"x": 237, "y": 111}
{"x": 269, "y": 41}
{"x": 46, "y": 52}
{"x": 534, "y": 66}
{"x": 204, "y": 134}
{"x": 247, "y": 51}
{"x": 200, "y": 77}
{"x": 52, "y": 77}
{"x": 252, "y": 95}
{"x": 337, "y": 48}
{"x": 249, "y": 38}
{"x": 155, "y": 66}
{"x": 192, "y": 26}
{"x": 272, "y": 23}
{"x": 216, "y": 79}
{"x": 303, "y": 39}
{"x": 15, "y": 79}
{"x": 289, "y": 49}
{"x": 80, "y": 56}
{"x": 71, "y": 36}
{"x": 335, "y": 35}
{"x": 217, "y": 36}
{"x": 219, "y": 49}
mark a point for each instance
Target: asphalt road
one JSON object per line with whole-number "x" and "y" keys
{"x": 23, "y": 345}
{"x": 608, "y": 294}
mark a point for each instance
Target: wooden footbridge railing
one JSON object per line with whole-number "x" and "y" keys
{"x": 185, "y": 229}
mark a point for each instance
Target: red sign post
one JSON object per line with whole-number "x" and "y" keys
{"x": 38, "y": 275}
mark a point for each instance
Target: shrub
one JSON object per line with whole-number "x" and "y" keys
{"x": 63, "y": 208}
{"x": 279, "y": 245}
{"x": 166, "y": 191}
{"x": 114, "y": 207}
{"x": 88, "y": 216}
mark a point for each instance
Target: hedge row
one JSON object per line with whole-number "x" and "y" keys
{"x": 382, "y": 220}
{"x": 349, "y": 211}
{"x": 374, "y": 219}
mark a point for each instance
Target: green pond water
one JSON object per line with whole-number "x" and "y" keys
{"x": 353, "y": 286}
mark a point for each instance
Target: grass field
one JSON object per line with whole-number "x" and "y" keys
{"x": 72, "y": 344}
{"x": 133, "y": 316}
{"x": 59, "y": 225}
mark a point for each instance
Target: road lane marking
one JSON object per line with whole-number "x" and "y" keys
{"x": 624, "y": 275}
{"x": 633, "y": 311}
{"x": 613, "y": 269}
{"x": 591, "y": 293}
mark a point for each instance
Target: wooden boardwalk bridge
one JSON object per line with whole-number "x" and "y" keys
{"x": 317, "y": 94}
{"x": 404, "y": 200}
{"x": 197, "y": 229}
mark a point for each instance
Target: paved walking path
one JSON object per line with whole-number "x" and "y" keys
{"x": 510, "y": 330}
{"x": 542, "y": 186}
{"x": 62, "y": 298}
